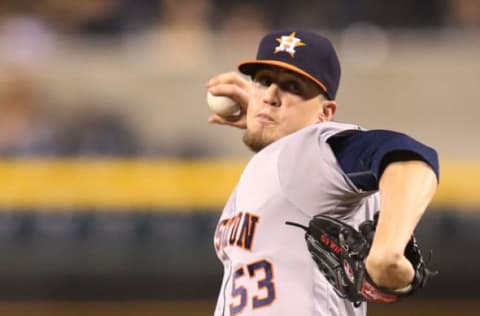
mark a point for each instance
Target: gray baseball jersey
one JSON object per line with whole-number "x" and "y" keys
{"x": 267, "y": 267}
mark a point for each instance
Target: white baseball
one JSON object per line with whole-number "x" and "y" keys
{"x": 223, "y": 106}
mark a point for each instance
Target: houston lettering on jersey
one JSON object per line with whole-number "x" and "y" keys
{"x": 237, "y": 231}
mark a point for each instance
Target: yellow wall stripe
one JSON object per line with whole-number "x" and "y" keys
{"x": 168, "y": 184}
{"x": 117, "y": 183}
{"x": 459, "y": 185}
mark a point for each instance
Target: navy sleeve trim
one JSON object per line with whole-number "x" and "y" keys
{"x": 363, "y": 155}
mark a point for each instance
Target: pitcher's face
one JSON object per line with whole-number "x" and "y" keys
{"x": 282, "y": 102}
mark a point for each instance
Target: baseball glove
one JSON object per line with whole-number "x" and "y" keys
{"x": 339, "y": 251}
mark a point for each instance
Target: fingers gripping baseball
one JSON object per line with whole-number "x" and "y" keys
{"x": 227, "y": 97}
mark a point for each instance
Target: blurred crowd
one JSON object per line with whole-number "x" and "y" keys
{"x": 181, "y": 32}
{"x": 114, "y": 17}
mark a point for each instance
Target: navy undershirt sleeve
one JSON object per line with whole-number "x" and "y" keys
{"x": 363, "y": 155}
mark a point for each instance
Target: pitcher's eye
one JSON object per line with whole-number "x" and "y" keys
{"x": 292, "y": 87}
{"x": 264, "y": 81}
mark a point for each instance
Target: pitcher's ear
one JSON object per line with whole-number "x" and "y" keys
{"x": 327, "y": 112}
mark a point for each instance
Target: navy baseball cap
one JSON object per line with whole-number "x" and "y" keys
{"x": 308, "y": 54}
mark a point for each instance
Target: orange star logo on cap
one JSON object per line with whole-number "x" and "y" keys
{"x": 288, "y": 44}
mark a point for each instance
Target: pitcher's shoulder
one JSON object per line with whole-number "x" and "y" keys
{"x": 321, "y": 131}
{"x": 328, "y": 129}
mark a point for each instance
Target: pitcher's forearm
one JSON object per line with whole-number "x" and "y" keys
{"x": 406, "y": 189}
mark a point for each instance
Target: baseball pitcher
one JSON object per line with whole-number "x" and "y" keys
{"x": 322, "y": 218}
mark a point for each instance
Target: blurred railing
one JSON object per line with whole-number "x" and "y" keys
{"x": 174, "y": 185}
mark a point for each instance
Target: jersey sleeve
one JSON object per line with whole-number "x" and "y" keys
{"x": 363, "y": 155}
{"x": 310, "y": 176}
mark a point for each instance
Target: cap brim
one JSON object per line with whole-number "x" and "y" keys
{"x": 251, "y": 66}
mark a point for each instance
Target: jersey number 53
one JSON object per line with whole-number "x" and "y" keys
{"x": 260, "y": 271}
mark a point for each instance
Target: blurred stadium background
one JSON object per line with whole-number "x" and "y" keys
{"x": 112, "y": 180}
